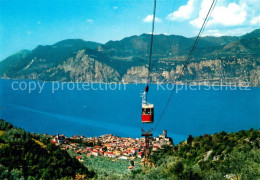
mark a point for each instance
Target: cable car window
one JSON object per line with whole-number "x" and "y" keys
{"x": 148, "y": 111}
{"x": 143, "y": 110}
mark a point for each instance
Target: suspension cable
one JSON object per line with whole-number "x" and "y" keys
{"x": 151, "y": 45}
{"x": 169, "y": 27}
{"x": 188, "y": 58}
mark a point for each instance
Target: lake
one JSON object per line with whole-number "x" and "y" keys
{"x": 97, "y": 109}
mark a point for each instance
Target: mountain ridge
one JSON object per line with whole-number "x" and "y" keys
{"x": 215, "y": 58}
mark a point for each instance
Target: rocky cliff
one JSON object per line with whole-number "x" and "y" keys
{"x": 215, "y": 60}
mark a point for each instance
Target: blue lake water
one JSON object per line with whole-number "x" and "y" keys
{"x": 97, "y": 112}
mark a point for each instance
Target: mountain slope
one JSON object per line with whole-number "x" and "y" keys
{"x": 223, "y": 40}
{"x": 232, "y": 58}
{"x": 43, "y": 56}
{"x": 218, "y": 156}
{"x": 247, "y": 45}
{"x": 21, "y": 157}
{"x": 10, "y": 62}
{"x": 140, "y": 45}
{"x": 253, "y": 34}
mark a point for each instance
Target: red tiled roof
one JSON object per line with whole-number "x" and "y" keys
{"x": 78, "y": 157}
{"x": 109, "y": 153}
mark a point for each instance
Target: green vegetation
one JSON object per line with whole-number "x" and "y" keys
{"x": 215, "y": 156}
{"x": 107, "y": 167}
{"x": 5, "y": 125}
{"x": 22, "y": 157}
{"x": 2, "y": 133}
{"x": 40, "y": 143}
{"x": 81, "y": 142}
{"x": 219, "y": 156}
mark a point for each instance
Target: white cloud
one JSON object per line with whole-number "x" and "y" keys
{"x": 204, "y": 7}
{"x": 255, "y": 20}
{"x": 149, "y": 18}
{"x": 184, "y": 12}
{"x": 231, "y": 15}
{"x": 213, "y": 32}
{"x": 89, "y": 21}
{"x": 115, "y": 7}
{"x": 228, "y": 32}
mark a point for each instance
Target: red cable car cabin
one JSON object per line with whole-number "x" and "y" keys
{"x": 147, "y": 113}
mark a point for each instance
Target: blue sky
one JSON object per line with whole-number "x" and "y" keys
{"x": 24, "y": 24}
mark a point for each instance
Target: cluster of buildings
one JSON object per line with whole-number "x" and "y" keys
{"x": 110, "y": 146}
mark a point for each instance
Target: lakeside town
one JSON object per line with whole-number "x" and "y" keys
{"x": 110, "y": 146}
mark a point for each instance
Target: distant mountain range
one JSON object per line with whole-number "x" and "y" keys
{"x": 227, "y": 58}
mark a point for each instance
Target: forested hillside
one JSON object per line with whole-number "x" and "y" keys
{"x": 219, "y": 156}
{"x": 210, "y": 157}
{"x": 24, "y": 157}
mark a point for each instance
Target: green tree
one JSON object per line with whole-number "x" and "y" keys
{"x": 16, "y": 136}
{"x": 189, "y": 139}
{"x": 5, "y": 125}
{"x": 244, "y": 165}
{"x": 16, "y": 174}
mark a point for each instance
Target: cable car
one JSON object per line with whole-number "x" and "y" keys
{"x": 147, "y": 109}
{"x": 147, "y": 113}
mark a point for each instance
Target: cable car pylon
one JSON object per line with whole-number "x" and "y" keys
{"x": 147, "y": 149}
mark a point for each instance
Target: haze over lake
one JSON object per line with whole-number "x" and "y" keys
{"x": 97, "y": 112}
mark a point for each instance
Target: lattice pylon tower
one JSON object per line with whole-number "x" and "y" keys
{"x": 147, "y": 150}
